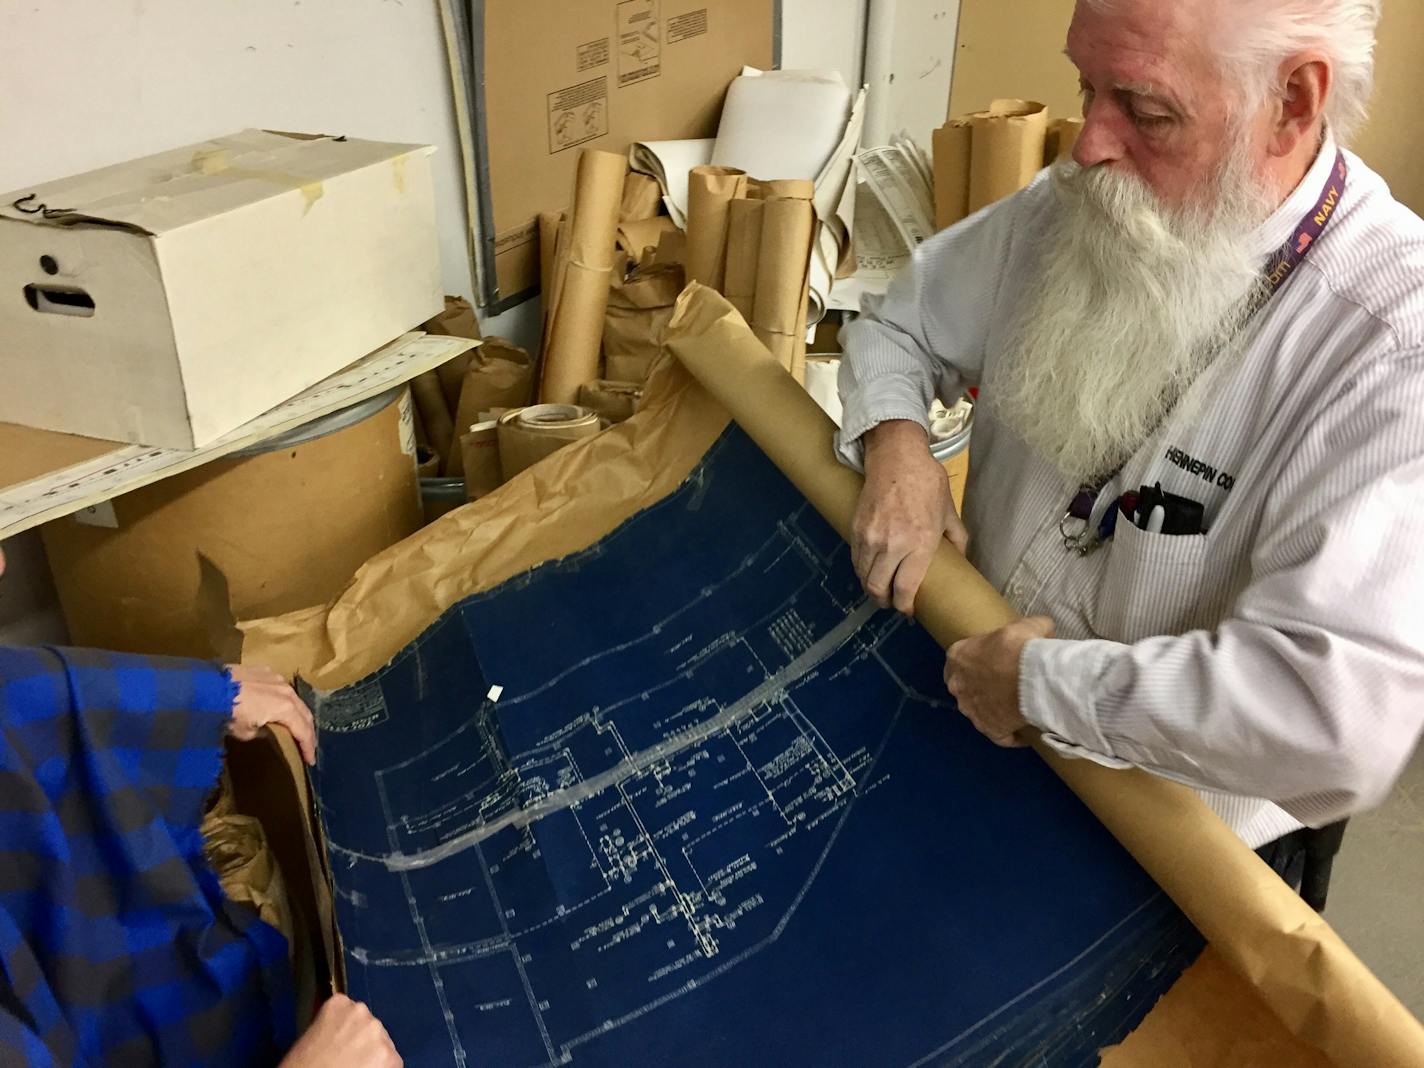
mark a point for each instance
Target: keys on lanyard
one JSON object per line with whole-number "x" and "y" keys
{"x": 1076, "y": 526}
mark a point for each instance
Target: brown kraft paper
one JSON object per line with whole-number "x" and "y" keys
{"x": 642, "y": 198}
{"x": 639, "y": 308}
{"x": 952, "y": 148}
{"x": 573, "y": 326}
{"x": 1299, "y": 967}
{"x": 457, "y": 320}
{"x": 779, "y": 310}
{"x": 501, "y": 375}
{"x": 614, "y": 402}
{"x": 1008, "y": 143}
{"x": 640, "y": 237}
{"x": 480, "y": 446}
{"x": 528, "y": 435}
{"x": 744, "y": 230}
{"x": 710, "y": 193}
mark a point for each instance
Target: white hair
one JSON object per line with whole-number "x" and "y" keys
{"x": 1259, "y": 35}
{"x": 1130, "y": 303}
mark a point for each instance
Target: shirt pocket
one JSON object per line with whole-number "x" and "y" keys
{"x": 1150, "y": 586}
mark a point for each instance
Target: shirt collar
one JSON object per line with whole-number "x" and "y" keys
{"x": 1276, "y": 230}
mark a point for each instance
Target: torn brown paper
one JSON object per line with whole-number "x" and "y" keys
{"x": 457, "y": 320}
{"x": 500, "y": 375}
{"x": 614, "y": 402}
{"x": 1301, "y": 968}
{"x": 639, "y": 308}
{"x": 952, "y": 147}
{"x": 582, "y": 273}
{"x": 710, "y": 193}
{"x": 528, "y": 435}
{"x": 1007, "y": 150}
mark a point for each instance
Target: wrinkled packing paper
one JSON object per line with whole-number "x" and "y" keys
{"x": 1325, "y": 997}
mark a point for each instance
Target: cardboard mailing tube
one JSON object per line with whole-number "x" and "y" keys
{"x": 1302, "y": 970}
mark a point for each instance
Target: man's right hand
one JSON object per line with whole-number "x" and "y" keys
{"x": 905, "y": 510}
{"x": 343, "y": 1035}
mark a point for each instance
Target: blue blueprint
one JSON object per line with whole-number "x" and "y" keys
{"x": 686, "y": 798}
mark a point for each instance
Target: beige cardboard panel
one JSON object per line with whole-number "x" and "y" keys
{"x": 1321, "y": 992}
{"x": 1014, "y": 48}
{"x": 583, "y": 275}
{"x": 1393, "y": 140}
{"x": 560, "y": 77}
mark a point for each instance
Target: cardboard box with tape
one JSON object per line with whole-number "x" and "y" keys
{"x": 168, "y": 300}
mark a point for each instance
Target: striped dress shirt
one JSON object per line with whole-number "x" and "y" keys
{"x": 1276, "y": 662}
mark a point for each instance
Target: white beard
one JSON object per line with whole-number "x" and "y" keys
{"x": 1129, "y": 304}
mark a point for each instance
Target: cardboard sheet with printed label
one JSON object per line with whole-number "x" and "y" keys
{"x": 556, "y": 77}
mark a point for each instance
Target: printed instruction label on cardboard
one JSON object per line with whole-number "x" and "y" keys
{"x": 687, "y": 26}
{"x": 639, "y": 41}
{"x": 594, "y": 54}
{"x": 578, "y": 114}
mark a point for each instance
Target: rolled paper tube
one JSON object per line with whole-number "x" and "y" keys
{"x": 952, "y": 143}
{"x": 528, "y": 435}
{"x": 1300, "y": 967}
{"x": 480, "y": 445}
{"x": 710, "y": 193}
{"x": 744, "y": 225}
{"x": 573, "y": 334}
{"x": 429, "y": 397}
{"x": 1064, "y": 133}
{"x": 779, "y": 310}
{"x": 1007, "y": 150}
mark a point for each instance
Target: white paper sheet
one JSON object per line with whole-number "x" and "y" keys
{"x": 783, "y": 123}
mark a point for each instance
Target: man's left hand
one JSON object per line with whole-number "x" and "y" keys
{"x": 983, "y": 676}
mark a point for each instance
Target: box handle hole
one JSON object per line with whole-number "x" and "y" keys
{"x": 59, "y": 300}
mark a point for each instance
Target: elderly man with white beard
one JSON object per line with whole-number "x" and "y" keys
{"x": 1214, "y": 298}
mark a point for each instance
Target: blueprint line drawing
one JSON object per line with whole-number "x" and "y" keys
{"x": 737, "y": 821}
